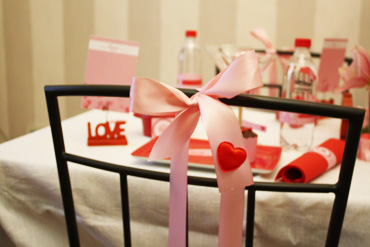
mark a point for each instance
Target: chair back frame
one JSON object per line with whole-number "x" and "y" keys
{"x": 341, "y": 189}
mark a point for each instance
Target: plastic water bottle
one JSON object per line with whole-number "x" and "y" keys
{"x": 300, "y": 79}
{"x": 189, "y": 74}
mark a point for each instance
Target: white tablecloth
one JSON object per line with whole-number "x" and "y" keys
{"x": 31, "y": 208}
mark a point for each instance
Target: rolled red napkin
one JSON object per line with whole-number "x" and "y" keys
{"x": 313, "y": 163}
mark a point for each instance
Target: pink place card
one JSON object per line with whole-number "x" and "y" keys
{"x": 332, "y": 57}
{"x": 110, "y": 62}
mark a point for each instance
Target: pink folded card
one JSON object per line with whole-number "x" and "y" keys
{"x": 113, "y": 62}
{"x": 364, "y": 147}
{"x": 332, "y": 58}
{"x": 313, "y": 163}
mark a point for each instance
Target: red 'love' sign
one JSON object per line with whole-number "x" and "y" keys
{"x": 109, "y": 136}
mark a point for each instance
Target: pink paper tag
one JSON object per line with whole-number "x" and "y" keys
{"x": 332, "y": 57}
{"x": 111, "y": 62}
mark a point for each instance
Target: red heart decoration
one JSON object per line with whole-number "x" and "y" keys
{"x": 230, "y": 158}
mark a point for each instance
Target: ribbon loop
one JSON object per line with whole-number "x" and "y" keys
{"x": 155, "y": 98}
{"x": 240, "y": 76}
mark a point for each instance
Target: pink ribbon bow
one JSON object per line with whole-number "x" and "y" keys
{"x": 232, "y": 166}
{"x": 358, "y": 73}
{"x": 271, "y": 57}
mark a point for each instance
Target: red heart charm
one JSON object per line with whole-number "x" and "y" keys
{"x": 230, "y": 158}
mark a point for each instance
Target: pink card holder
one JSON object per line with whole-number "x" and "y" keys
{"x": 332, "y": 57}
{"x": 113, "y": 62}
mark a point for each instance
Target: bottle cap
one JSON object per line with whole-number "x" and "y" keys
{"x": 191, "y": 33}
{"x": 303, "y": 43}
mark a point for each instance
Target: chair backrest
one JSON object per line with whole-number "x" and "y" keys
{"x": 340, "y": 189}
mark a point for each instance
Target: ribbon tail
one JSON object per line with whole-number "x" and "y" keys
{"x": 231, "y": 184}
{"x": 230, "y": 232}
{"x": 178, "y": 198}
{"x": 262, "y": 36}
{"x": 227, "y": 129}
{"x": 175, "y": 135}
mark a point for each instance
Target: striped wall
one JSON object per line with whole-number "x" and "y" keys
{"x": 45, "y": 41}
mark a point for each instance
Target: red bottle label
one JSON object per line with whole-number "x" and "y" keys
{"x": 189, "y": 79}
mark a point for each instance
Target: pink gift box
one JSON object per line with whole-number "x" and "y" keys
{"x": 153, "y": 126}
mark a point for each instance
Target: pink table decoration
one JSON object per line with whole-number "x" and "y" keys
{"x": 354, "y": 76}
{"x": 153, "y": 126}
{"x": 332, "y": 57}
{"x": 110, "y": 136}
{"x": 233, "y": 172}
{"x": 358, "y": 73}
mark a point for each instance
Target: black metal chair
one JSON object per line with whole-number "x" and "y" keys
{"x": 340, "y": 189}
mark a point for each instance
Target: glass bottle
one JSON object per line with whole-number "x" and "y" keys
{"x": 189, "y": 73}
{"x": 299, "y": 82}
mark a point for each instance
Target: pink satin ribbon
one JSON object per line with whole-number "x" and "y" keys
{"x": 271, "y": 54}
{"x": 151, "y": 97}
{"x": 358, "y": 73}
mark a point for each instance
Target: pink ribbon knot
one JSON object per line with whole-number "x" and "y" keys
{"x": 151, "y": 97}
{"x": 272, "y": 56}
